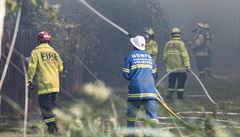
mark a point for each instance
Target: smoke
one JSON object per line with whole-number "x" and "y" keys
{"x": 223, "y": 16}
{"x": 103, "y": 17}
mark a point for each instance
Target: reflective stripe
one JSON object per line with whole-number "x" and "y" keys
{"x": 201, "y": 54}
{"x": 131, "y": 119}
{"x": 61, "y": 68}
{"x": 32, "y": 65}
{"x": 168, "y": 70}
{"x": 171, "y": 89}
{"x": 180, "y": 90}
{"x": 142, "y": 95}
{"x": 141, "y": 66}
{"x": 50, "y": 120}
{"x": 185, "y": 53}
{"x": 174, "y": 52}
{"x": 49, "y": 90}
{"x": 154, "y": 70}
{"x": 201, "y": 72}
{"x": 151, "y": 121}
{"x": 126, "y": 70}
{"x": 154, "y": 121}
{"x": 187, "y": 63}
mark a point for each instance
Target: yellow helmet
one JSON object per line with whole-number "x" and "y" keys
{"x": 206, "y": 26}
{"x": 176, "y": 32}
{"x": 200, "y": 25}
{"x": 149, "y": 31}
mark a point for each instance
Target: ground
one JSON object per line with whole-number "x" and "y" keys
{"x": 225, "y": 91}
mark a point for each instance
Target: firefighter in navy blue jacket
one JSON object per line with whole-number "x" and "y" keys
{"x": 140, "y": 69}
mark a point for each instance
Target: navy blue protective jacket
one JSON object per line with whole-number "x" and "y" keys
{"x": 140, "y": 69}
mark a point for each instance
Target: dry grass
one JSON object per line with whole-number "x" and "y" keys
{"x": 93, "y": 116}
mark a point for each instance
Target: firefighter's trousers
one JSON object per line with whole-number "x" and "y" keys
{"x": 179, "y": 79}
{"x": 47, "y": 103}
{"x": 150, "y": 106}
{"x": 204, "y": 64}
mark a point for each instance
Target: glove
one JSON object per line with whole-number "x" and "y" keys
{"x": 156, "y": 76}
{"x": 30, "y": 87}
{"x": 130, "y": 35}
{"x": 187, "y": 69}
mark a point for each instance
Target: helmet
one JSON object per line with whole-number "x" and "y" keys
{"x": 200, "y": 25}
{"x": 149, "y": 31}
{"x": 138, "y": 42}
{"x": 206, "y": 26}
{"x": 44, "y": 36}
{"x": 176, "y": 32}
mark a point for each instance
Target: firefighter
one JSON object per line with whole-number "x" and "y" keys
{"x": 140, "y": 69}
{"x": 176, "y": 57}
{"x": 202, "y": 42}
{"x": 151, "y": 44}
{"x": 45, "y": 65}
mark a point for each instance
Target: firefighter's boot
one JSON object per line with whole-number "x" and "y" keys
{"x": 52, "y": 128}
{"x": 170, "y": 94}
{"x": 180, "y": 95}
{"x": 209, "y": 72}
{"x": 202, "y": 75}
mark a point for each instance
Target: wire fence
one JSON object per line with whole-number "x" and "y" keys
{"x": 13, "y": 86}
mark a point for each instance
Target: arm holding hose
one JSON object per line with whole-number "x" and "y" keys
{"x": 126, "y": 69}
{"x": 185, "y": 56}
{"x": 32, "y": 66}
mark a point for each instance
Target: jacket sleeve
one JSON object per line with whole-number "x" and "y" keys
{"x": 60, "y": 64}
{"x": 155, "y": 48}
{"x": 185, "y": 56}
{"x": 165, "y": 53}
{"x": 154, "y": 70}
{"x": 32, "y": 66}
{"x": 199, "y": 40}
{"x": 126, "y": 70}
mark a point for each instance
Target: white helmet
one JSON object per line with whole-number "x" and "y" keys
{"x": 138, "y": 42}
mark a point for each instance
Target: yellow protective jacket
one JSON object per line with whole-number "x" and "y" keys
{"x": 199, "y": 46}
{"x": 45, "y": 64}
{"x": 175, "y": 55}
{"x": 152, "y": 49}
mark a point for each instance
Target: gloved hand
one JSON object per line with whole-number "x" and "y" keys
{"x": 30, "y": 87}
{"x": 187, "y": 69}
{"x": 156, "y": 76}
{"x": 130, "y": 35}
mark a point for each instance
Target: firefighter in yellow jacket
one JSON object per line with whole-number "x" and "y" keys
{"x": 45, "y": 65}
{"x": 176, "y": 57}
{"x": 151, "y": 44}
{"x": 202, "y": 42}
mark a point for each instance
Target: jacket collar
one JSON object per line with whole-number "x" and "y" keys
{"x": 43, "y": 45}
{"x": 176, "y": 38}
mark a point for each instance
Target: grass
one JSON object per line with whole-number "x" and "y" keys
{"x": 92, "y": 114}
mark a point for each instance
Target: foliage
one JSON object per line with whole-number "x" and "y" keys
{"x": 107, "y": 46}
{"x": 38, "y": 15}
{"x": 103, "y": 48}
{"x": 92, "y": 116}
